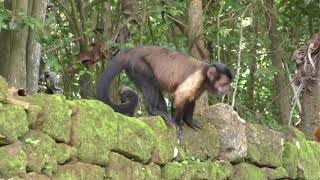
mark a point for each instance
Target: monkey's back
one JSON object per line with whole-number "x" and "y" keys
{"x": 170, "y": 67}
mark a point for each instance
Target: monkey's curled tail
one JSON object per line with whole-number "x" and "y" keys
{"x": 114, "y": 68}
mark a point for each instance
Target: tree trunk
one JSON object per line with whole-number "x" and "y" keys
{"x": 282, "y": 95}
{"x": 311, "y": 101}
{"x": 13, "y": 49}
{"x": 38, "y": 11}
{"x": 253, "y": 64}
{"x": 196, "y": 43}
{"x": 107, "y": 34}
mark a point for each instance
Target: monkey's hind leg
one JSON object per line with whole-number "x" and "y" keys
{"x": 144, "y": 78}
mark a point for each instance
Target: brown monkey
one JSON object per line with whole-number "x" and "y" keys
{"x": 155, "y": 70}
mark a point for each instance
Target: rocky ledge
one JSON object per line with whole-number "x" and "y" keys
{"x": 55, "y": 138}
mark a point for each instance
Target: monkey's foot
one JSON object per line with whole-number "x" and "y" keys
{"x": 170, "y": 122}
{"x": 193, "y": 123}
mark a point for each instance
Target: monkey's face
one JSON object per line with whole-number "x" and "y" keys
{"x": 218, "y": 83}
{"x": 218, "y": 80}
{"x": 221, "y": 85}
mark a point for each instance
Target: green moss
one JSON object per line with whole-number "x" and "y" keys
{"x": 246, "y": 171}
{"x": 165, "y": 140}
{"x": 307, "y": 158}
{"x": 32, "y": 176}
{"x": 33, "y": 113}
{"x": 13, "y": 123}
{"x": 40, "y": 149}
{"x": 135, "y": 139}
{"x": 65, "y": 153}
{"x": 261, "y": 150}
{"x": 278, "y": 173}
{"x": 197, "y": 170}
{"x": 13, "y": 161}
{"x": 55, "y": 119}
{"x": 301, "y": 158}
{"x": 315, "y": 146}
{"x": 182, "y": 155}
{"x": 79, "y": 171}
{"x": 152, "y": 172}
{"x": 173, "y": 171}
{"x": 221, "y": 170}
{"x": 253, "y": 153}
{"x": 203, "y": 144}
{"x": 292, "y": 134}
{"x": 290, "y": 160}
{"x": 94, "y": 130}
{"x": 3, "y": 89}
{"x": 120, "y": 168}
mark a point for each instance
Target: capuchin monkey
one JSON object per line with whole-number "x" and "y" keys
{"x": 155, "y": 70}
{"x": 129, "y": 100}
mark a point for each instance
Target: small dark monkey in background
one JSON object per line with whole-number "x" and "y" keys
{"x": 128, "y": 99}
{"x": 155, "y": 70}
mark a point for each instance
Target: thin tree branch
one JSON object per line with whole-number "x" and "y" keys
{"x": 294, "y": 101}
{"x": 176, "y": 20}
{"x": 49, "y": 50}
{"x": 218, "y": 26}
{"x": 207, "y": 6}
{"x": 239, "y": 57}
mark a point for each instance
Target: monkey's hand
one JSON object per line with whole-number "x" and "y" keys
{"x": 193, "y": 123}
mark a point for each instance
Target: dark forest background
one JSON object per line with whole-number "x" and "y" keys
{"x": 65, "y": 45}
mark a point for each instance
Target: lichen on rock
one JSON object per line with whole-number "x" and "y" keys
{"x": 265, "y": 146}
{"x": 231, "y": 130}
{"x": 203, "y": 144}
{"x": 79, "y": 171}
{"x": 13, "y": 123}
{"x": 197, "y": 170}
{"x": 55, "y": 118}
{"x": 131, "y": 170}
{"x": 278, "y": 173}
{"x": 166, "y": 142}
{"x": 3, "y": 89}
{"x": 13, "y": 160}
{"x": 135, "y": 138}
{"x": 40, "y": 151}
{"x": 31, "y": 176}
{"x": 246, "y": 171}
{"x": 65, "y": 153}
{"x": 290, "y": 160}
{"x": 94, "y": 130}
{"x": 304, "y": 155}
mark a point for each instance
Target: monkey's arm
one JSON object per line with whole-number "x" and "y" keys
{"x": 179, "y": 106}
{"x": 188, "y": 116}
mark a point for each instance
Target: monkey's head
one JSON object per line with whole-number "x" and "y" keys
{"x": 219, "y": 78}
{"x": 126, "y": 94}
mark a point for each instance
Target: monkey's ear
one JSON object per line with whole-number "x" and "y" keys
{"x": 211, "y": 73}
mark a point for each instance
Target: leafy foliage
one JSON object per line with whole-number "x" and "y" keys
{"x": 67, "y": 32}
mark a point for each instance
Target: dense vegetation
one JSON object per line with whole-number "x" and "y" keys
{"x": 78, "y": 38}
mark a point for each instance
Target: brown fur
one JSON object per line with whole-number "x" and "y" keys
{"x": 170, "y": 67}
{"x": 155, "y": 69}
{"x": 176, "y": 73}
